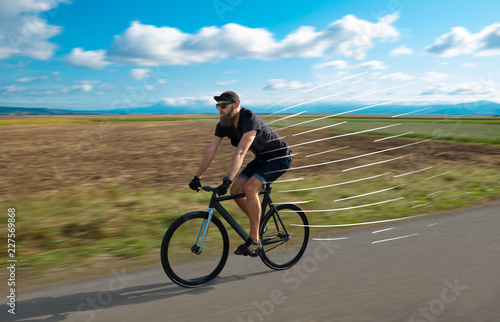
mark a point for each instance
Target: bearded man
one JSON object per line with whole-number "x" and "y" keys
{"x": 273, "y": 158}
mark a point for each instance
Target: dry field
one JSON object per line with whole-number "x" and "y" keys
{"x": 47, "y": 159}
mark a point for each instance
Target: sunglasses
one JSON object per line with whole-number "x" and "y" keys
{"x": 223, "y": 105}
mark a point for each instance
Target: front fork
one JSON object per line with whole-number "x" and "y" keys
{"x": 203, "y": 232}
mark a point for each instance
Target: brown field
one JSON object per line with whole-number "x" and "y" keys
{"x": 47, "y": 159}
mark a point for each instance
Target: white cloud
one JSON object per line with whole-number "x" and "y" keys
{"x": 139, "y": 73}
{"x": 283, "y": 85}
{"x": 82, "y": 88}
{"x": 94, "y": 59}
{"x": 460, "y": 41}
{"x": 469, "y": 64}
{"x": 457, "y": 42}
{"x": 489, "y": 39}
{"x": 475, "y": 89}
{"x": 12, "y": 89}
{"x": 32, "y": 79}
{"x": 399, "y": 76}
{"x": 42, "y": 93}
{"x": 106, "y": 87}
{"x": 48, "y": 91}
{"x": 401, "y": 50}
{"x": 57, "y": 76}
{"x": 87, "y": 81}
{"x": 147, "y": 45}
{"x": 24, "y": 32}
{"x": 188, "y": 101}
{"x": 25, "y": 79}
{"x": 372, "y": 64}
{"x": 433, "y": 77}
{"x": 336, "y": 64}
{"x": 225, "y": 83}
{"x": 342, "y": 64}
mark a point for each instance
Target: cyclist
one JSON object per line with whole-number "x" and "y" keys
{"x": 246, "y": 131}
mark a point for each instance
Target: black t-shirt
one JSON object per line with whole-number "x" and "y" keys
{"x": 267, "y": 144}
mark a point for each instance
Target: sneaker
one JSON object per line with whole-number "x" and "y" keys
{"x": 248, "y": 248}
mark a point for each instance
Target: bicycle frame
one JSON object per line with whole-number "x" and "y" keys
{"x": 215, "y": 203}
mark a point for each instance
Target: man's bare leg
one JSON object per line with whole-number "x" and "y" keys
{"x": 251, "y": 203}
{"x": 252, "y": 189}
{"x": 238, "y": 187}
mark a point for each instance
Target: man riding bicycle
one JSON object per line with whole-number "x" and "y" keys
{"x": 246, "y": 131}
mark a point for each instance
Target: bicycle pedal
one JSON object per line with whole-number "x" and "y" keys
{"x": 255, "y": 253}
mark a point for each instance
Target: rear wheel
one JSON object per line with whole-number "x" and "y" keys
{"x": 284, "y": 241}
{"x": 181, "y": 258}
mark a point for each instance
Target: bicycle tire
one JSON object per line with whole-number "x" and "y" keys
{"x": 280, "y": 252}
{"x": 178, "y": 267}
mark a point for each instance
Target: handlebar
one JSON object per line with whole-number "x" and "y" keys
{"x": 210, "y": 189}
{"x": 207, "y": 188}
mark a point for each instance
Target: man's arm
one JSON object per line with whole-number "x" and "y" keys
{"x": 208, "y": 156}
{"x": 238, "y": 156}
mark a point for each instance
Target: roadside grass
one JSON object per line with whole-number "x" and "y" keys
{"x": 65, "y": 236}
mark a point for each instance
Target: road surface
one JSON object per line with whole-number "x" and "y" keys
{"x": 431, "y": 268}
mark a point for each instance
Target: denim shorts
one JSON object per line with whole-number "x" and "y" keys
{"x": 266, "y": 171}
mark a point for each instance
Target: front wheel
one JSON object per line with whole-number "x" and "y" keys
{"x": 182, "y": 260}
{"x": 284, "y": 236}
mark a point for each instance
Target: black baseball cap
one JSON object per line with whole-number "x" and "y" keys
{"x": 228, "y": 96}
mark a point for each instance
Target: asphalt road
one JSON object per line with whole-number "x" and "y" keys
{"x": 435, "y": 268}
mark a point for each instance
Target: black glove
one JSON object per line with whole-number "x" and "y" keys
{"x": 222, "y": 189}
{"x": 195, "y": 184}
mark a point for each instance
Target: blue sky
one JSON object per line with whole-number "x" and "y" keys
{"x": 87, "y": 55}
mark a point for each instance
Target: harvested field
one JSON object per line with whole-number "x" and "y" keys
{"x": 46, "y": 159}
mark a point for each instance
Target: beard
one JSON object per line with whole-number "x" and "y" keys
{"x": 227, "y": 120}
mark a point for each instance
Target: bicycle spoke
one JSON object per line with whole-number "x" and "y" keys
{"x": 283, "y": 247}
{"x": 271, "y": 248}
{"x": 185, "y": 263}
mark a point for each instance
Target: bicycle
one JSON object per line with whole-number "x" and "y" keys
{"x": 283, "y": 230}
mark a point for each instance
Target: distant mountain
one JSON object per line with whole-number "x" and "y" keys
{"x": 153, "y": 109}
{"x": 159, "y": 108}
{"x": 41, "y": 111}
{"x": 472, "y": 108}
{"x": 485, "y": 108}
{"x": 478, "y": 108}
